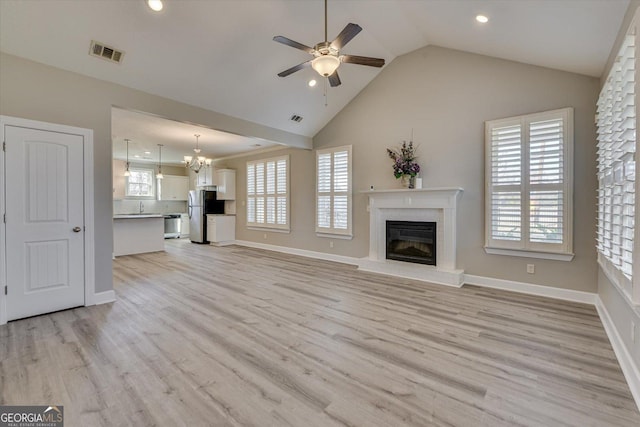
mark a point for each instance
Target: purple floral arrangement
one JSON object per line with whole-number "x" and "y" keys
{"x": 404, "y": 160}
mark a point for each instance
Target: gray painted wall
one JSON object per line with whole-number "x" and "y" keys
{"x": 39, "y": 92}
{"x": 445, "y": 96}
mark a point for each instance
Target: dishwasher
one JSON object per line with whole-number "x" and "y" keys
{"x": 172, "y": 226}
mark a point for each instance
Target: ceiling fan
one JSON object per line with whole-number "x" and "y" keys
{"x": 327, "y": 56}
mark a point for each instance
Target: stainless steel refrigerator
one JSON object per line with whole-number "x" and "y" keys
{"x": 201, "y": 203}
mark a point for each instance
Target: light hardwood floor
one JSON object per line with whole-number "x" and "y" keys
{"x": 205, "y": 336}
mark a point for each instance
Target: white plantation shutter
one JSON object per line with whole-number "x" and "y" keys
{"x": 324, "y": 191}
{"x": 333, "y": 191}
{"x": 267, "y": 193}
{"x": 546, "y": 181}
{"x": 616, "y": 121}
{"x": 251, "y": 193}
{"x": 282, "y": 216}
{"x": 529, "y": 188}
{"x": 506, "y": 177}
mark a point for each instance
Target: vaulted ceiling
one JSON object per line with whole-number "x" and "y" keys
{"x": 220, "y": 54}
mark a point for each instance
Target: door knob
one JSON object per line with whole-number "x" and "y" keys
{"x": 76, "y": 229}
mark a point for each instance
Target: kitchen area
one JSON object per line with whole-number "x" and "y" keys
{"x": 167, "y": 186}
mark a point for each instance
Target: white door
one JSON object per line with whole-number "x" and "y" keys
{"x": 44, "y": 187}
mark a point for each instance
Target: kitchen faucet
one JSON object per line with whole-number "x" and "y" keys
{"x": 141, "y": 206}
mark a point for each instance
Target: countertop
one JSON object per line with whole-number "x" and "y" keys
{"x": 138, "y": 216}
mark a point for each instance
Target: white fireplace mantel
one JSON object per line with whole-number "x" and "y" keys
{"x": 428, "y": 204}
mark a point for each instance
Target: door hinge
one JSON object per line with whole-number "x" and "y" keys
{"x": 4, "y": 146}
{"x": 4, "y": 218}
{"x": 5, "y": 290}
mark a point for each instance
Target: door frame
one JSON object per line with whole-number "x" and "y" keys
{"x": 89, "y": 233}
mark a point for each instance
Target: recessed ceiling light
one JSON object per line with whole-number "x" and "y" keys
{"x": 137, "y": 156}
{"x": 482, "y": 19}
{"x": 147, "y": 152}
{"x": 312, "y": 82}
{"x": 155, "y": 5}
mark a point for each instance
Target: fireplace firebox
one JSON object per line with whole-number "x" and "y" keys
{"x": 412, "y": 241}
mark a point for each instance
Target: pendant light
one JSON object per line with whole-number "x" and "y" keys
{"x": 159, "y": 174}
{"x": 126, "y": 171}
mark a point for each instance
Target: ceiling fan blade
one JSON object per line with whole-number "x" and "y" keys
{"x": 348, "y": 33}
{"x": 334, "y": 79}
{"x": 362, "y": 60}
{"x": 289, "y": 42}
{"x": 292, "y": 70}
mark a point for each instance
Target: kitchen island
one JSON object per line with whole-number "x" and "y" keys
{"x": 138, "y": 233}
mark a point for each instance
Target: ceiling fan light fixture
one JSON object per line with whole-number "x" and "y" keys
{"x": 325, "y": 65}
{"x": 155, "y": 5}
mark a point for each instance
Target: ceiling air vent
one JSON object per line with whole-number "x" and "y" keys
{"x": 296, "y": 118}
{"x": 105, "y": 52}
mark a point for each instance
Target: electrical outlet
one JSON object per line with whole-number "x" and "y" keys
{"x": 531, "y": 268}
{"x": 633, "y": 332}
{"x": 331, "y": 244}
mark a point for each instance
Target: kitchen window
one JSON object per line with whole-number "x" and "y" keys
{"x": 529, "y": 185}
{"x": 268, "y": 194}
{"x": 333, "y": 192}
{"x": 140, "y": 183}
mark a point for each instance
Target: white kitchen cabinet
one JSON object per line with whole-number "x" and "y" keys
{"x": 184, "y": 225}
{"x": 206, "y": 177}
{"x": 221, "y": 229}
{"x": 226, "y": 184}
{"x": 119, "y": 180}
{"x": 174, "y": 187}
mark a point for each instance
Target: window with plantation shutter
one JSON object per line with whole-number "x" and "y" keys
{"x": 616, "y": 121}
{"x": 529, "y": 185}
{"x": 268, "y": 193}
{"x": 333, "y": 192}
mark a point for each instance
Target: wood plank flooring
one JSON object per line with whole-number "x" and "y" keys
{"x": 205, "y": 336}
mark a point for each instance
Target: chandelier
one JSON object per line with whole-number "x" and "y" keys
{"x": 197, "y": 162}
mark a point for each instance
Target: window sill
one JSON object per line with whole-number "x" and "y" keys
{"x": 335, "y": 236}
{"x": 274, "y": 230}
{"x": 556, "y": 256}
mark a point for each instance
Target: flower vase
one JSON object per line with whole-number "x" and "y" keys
{"x": 408, "y": 181}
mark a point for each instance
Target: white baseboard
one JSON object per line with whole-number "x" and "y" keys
{"x": 302, "y": 252}
{"x": 531, "y": 289}
{"x": 629, "y": 368}
{"x": 104, "y": 297}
